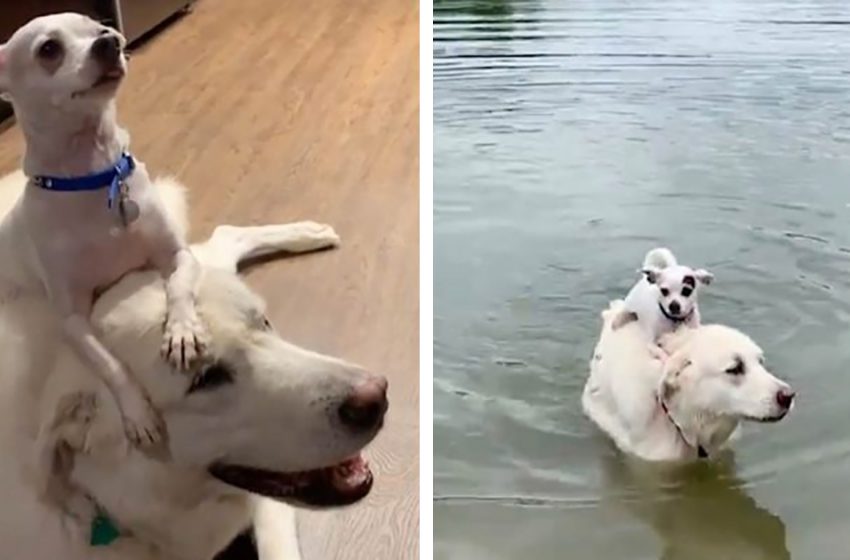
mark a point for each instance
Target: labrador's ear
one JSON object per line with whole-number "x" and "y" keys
{"x": 671, "y": 377}
{"x": 676, "y": 364}
{"x": 671, "y": 384}
{"x": 60, "y": 439}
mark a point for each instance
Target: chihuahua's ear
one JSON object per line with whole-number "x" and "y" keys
{"x": 650, "y": 273}
{"x": 704, "y": 276}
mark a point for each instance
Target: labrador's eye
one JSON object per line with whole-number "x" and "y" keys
{"x": 267, "y": 325}
{"x": 50, "y": 49}
{"x": 212, "y": 377}
{"x": 737, "y": 369}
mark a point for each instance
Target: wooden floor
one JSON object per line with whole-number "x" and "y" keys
{"x": 281, "y": 110}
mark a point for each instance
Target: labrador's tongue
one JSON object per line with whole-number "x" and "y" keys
{"x": 350, "y": 475}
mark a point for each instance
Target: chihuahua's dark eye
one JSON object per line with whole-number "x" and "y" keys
{"x": 737, "y": 368}
{"x": 686, "y": 291}
{"x": 212, "y": 377}
{"x": 267, "y": 324}
{"x": 665, "y": 292}
{"x": 50, "y": 49}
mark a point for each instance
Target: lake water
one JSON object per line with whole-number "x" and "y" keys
{"x": 570, "y": 137}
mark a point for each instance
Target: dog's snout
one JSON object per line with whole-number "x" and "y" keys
{"x": 365, "y": 407}
{"x": 784, "y": 398}
{"x": 675, "y": 308}
{"x": 106, "y": 49}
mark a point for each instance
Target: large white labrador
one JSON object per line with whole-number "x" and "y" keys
{"x": 263, "y": 418}
{"x": 687, "y": 407}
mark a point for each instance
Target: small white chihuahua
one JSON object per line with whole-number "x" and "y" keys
{"x": 90, "y": 213}
{"x": 665, "y": 297}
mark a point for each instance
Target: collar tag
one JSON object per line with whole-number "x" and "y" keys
{"x": 103, "y": 531}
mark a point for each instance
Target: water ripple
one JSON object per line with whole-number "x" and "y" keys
{"x": 570, "y": 138}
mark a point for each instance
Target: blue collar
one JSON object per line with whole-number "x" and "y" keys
{"x": 111, "y": 178}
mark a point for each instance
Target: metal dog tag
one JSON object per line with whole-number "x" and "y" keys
{"x": 128, "y": 210}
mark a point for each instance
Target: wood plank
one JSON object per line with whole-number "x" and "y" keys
{"x": 272, "y": 111}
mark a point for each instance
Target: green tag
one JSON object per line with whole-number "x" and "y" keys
{"x": 103, "y": 532}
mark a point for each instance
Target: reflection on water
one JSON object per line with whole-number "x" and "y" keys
{"x": 697, "y": 512}
{"x": 570, "y": 137}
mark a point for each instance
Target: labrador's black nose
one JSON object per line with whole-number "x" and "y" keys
{"x": 365, "y": 407}
{"x": 785, "y": 398}
{"x": 107, "y": 50}
{"x": 675, "y": 308}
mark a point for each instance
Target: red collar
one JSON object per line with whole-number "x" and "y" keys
{"x": 701, "y": 452}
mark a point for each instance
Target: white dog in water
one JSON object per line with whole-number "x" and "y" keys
{"x": 90, "y": 213}
{"x": 687, "y": 407}
{"x": 665, "y": 297}
{"x": 263, "y": 418}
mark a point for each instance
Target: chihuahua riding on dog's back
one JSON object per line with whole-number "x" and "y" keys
{"x": 666, "y": 296}
{"x": 89, "y": 214}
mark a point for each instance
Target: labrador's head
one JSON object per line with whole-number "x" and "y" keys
{"x": 262, "y": 415}
{"x": 716, "y": 376}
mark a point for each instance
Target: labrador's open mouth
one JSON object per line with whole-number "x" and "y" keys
{"x": 769, "y": 419}
{"x": 338, "y": 485}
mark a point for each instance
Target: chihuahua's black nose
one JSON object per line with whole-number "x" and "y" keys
{"x": 107, "y": 50}
{"x": 675, "y": 308}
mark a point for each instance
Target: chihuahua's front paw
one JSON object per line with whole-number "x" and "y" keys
{"x": 185, "y": 342}
{"x": 143, "y": 425}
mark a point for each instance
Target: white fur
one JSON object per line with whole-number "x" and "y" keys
{"x": 622, "y": 392}
{"x": 662, "y": 284}
{"x": 69, "y": 245}
{"x": 276, "y": 416}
